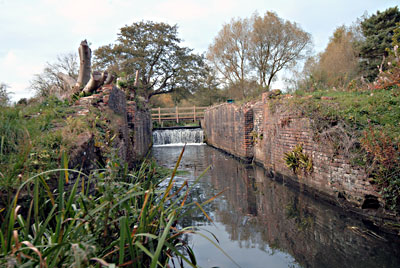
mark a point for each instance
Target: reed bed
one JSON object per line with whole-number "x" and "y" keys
{"x": 108, "y": 218}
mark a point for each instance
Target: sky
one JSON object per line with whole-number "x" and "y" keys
{"x": 33, "y": 32}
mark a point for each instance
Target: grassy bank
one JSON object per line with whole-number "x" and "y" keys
{"x": 30, "y": 139}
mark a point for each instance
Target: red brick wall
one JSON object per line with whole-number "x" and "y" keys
{"x": 228, "y": 127}
{"x": 232, "y": 129}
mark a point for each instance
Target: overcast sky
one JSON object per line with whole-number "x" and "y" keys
{"x": 33, "y": 32}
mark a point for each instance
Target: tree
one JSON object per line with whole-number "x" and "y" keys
{"x": 4, "y": 95}
{"x": 336, "y": 66}
{"x": 229, "y": 53}
{"x": 257, "y": 48}
{"x": 209, "y": 92}
{"x": 153, "y": 49}
{"x": 275, "y": 45}
{"x": 49, "y": 81}
{"x": 63, "y": 79}
{"x": 340, "y": 59}
{"x": 378, "y": 31}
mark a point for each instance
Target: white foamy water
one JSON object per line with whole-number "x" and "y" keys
{"x": 178, "y": 137}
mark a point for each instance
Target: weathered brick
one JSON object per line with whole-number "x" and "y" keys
{"x": 232, "y": 128}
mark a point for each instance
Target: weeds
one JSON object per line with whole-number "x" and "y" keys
{"x": 107, "y": 218}
{"x": 298, "y": 161}
{"x": 383, "y": 156}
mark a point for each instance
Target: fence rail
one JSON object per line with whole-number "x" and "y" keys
{"x": 177, "y": 113}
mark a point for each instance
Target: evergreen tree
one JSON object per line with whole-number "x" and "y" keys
{"x": 378, "y": 32}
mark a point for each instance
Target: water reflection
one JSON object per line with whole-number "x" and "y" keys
{"x": 262, "y": 223}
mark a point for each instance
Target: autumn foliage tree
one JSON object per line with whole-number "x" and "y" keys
{"x": 336, "y": 66}
{"x": 275, "y": 45}
{"x": 229, "y": 53}
{"x": 256, "y": 49}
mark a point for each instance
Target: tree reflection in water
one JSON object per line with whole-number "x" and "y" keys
{"x": 262, "y": 223}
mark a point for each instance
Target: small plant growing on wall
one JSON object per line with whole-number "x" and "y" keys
{"x": 256, "y": 136}
{"x": 296, "y": 160}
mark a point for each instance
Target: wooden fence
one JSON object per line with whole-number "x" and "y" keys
{"x": 177, "y": 113}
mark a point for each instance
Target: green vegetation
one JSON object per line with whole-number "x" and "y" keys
{"x": 60, "y": 217}
{"x": 296, "y": 160}
{"x": 110, "y": 217}
{"x": 363, "y": 125}
{"x": 31, "y": 139}
{"x": 378, "y": 31}
{"x": 33, "y": 136}
{"x": 354, "y": 56}
{"x": 358, "y": 110}
{"x": 155, "y": 51}
{"x": 358, "y": 115}
{"x": 54, "y": 217}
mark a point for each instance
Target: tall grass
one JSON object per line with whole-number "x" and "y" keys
{"x": 29, "y": 140}
{"x": 108, "y": 218}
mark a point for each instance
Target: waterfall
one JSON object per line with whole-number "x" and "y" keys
{"x": 192, "y": 136}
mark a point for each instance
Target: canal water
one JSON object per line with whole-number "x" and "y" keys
{"x": 263, "y": 223}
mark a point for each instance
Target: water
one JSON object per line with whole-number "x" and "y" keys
{"x": 262, "y": 223}
{"x": 166, "y": 137}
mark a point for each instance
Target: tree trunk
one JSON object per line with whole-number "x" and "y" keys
{"x": 67, "y": 80}
{"x": 110, "y": 78}
{"x": 137, "y": 78}
{"x": 85, "y": 55}
{"x": 94, "y": 83}
{"x": 104, "y": 76}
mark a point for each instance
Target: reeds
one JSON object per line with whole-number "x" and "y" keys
{"x": 106, "y": 219}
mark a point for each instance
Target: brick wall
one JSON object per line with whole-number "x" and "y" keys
{"x": 135, "y": 137}
{"x": 254, "y": 132}
{"x": 228, "y": 127}
{"x": 139, "y": 123}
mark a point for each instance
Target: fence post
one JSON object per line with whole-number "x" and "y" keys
{"x": 177, "y": 114}
{"x": 194, "y": 113}
{"x": 159, "y": 115}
